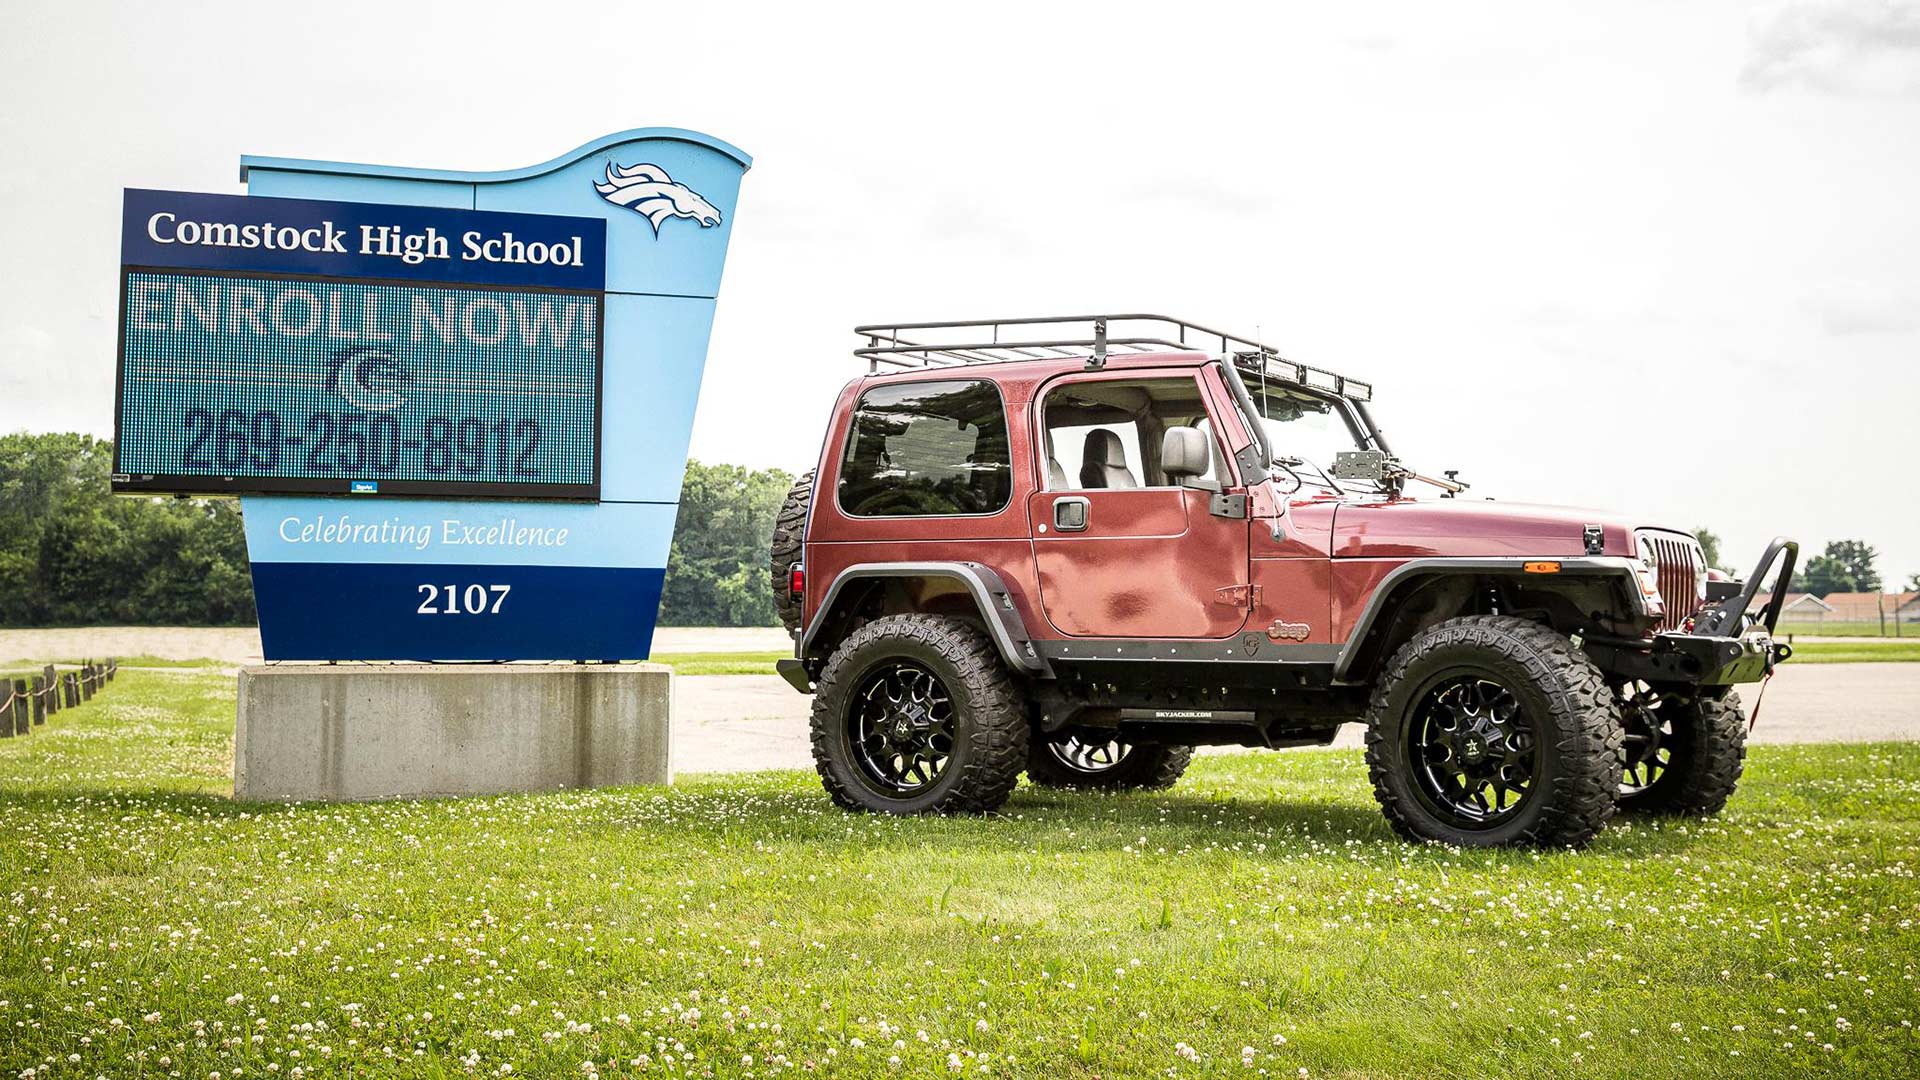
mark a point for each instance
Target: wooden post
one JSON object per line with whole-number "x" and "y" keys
{"x": 38, "y": 695}
{"x": 22, "y": 720}
{"x": 70, "y": 689}
{"x": 86, "y": 681}
{"x": 53, "y": 689}
{"x": 6, "y": 712}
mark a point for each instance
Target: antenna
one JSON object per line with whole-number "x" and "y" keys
{"x": 1260, "y": 335}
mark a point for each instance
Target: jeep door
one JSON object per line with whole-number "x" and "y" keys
{"x": 1120, "y": 548}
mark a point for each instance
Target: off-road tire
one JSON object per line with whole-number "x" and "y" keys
{"x": 990, "y": 737}
{"x": 789, "y": 530}
{"x": 1145, "y": 768}
{"x": 1575, "y": 716}
{"x": 1709, "y": 750}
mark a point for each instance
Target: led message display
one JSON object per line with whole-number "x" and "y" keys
{"x": 246, "y": 371}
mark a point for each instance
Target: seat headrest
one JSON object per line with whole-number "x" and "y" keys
{"x": 1104, "y": 448}
{"x": 1103, "y": 461}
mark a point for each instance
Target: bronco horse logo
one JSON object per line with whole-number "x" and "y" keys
{"x": 647, "y": 190}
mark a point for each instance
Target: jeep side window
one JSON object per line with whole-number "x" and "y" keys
{"x": 1106, "y": 433}
{"x": 923, "y": 449}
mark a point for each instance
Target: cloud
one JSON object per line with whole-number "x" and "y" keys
{"x": 1865, "y": 48}
{"x": 26, "y": 360}
{"x": 1199, "y": 192}
{"x": 1865, "y": 309}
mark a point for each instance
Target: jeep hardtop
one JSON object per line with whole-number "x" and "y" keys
{"x": 1077, "y": 547}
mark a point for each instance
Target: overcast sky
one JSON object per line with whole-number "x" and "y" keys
{"x": 1653, "y": 257}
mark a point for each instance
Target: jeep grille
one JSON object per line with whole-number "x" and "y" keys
{"x": 1678, "y": 565}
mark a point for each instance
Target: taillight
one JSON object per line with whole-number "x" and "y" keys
{"x": 797, "y": 582}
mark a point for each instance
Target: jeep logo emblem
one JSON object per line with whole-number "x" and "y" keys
{"x": 1282, "y": 630}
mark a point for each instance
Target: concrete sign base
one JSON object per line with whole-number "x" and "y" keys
{"x": 311, "y": 732}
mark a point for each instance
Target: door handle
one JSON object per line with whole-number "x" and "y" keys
{"x": 1070, "y": 513}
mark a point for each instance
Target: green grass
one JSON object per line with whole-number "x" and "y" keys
{"x": 162, "y": 662}
{"x": 1850, "y": 629}
{"x": 721, "y": 663}
{"x": 1854, "y": 652}
{"x": 25, "y": 668}
{"x": 153, "y": 927}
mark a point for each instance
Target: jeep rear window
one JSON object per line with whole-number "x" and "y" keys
{"x": 925, "y": 449}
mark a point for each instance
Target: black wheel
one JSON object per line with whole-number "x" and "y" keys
{"x": 1109, "y": 764}
{"x": 789, "y": 530}
{"x": 1490, "y": 730}
{"x": 915, "y": 714}
{"x": 1647, "y": 731}
{"x": 1684, "y": 755}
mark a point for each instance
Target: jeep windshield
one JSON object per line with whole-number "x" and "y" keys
{"x": 1308, "y": 427}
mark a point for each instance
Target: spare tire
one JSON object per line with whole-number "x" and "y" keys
{"x": 789, "y": 530}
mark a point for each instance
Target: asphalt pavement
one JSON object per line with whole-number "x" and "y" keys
{"x": 741, "y": 723}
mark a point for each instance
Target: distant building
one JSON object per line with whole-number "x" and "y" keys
{"x": 1800, "y": 607}
{"x": 1871, "y": 607}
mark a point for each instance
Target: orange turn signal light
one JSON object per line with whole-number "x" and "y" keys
{"x": 1541, "y": 567}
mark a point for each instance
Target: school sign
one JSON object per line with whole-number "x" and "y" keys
{"x": 455, "y": 405}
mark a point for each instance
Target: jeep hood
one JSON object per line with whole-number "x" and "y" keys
{"x": 1413, "y": 528}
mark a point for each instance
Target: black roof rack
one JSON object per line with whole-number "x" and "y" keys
{"x": 991, "y": 341}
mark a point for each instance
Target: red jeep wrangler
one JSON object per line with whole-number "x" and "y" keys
{"x": 1077, "y": 547}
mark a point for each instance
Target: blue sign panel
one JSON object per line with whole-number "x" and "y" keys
{"x": 354, "y": 577}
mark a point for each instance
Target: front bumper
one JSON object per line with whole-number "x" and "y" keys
{"x": 1723, "y": 643}
{"x": 1695, "y": 659}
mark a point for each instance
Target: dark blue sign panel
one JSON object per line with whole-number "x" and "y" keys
{"x": 361, "y": 240}
{"x": 241, "y": 373}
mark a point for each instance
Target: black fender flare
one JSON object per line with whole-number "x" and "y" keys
{"x": 995, "y": 602}
{"x": 1379, "y": 604}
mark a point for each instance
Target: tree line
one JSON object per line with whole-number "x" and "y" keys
{"x": 74, "y": 554}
